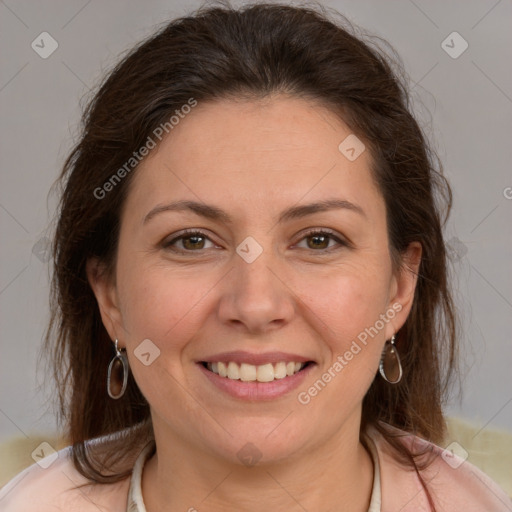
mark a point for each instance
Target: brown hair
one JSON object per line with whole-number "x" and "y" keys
{"x": 220, "y": 52}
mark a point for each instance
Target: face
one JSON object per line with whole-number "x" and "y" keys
{"x": 252, "y": 282}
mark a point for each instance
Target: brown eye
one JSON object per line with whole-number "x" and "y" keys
{"x": 190, "y": 241}
{"x": 319, "y": 240}
{"x": 193, "y": 242}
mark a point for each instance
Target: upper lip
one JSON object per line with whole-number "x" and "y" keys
{"x": 240, "y": 356}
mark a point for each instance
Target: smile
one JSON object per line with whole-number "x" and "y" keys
{"x": 256, "y": 382}
{"x": 251, "y": 373}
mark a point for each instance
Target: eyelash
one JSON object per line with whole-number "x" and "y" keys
{"x": 189, "y": 233}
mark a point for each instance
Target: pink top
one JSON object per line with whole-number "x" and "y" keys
{"x": 455, "y": 484}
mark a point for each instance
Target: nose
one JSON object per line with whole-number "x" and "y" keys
{"x": 256, "y": 297}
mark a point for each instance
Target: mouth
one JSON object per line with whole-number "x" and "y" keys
{"x": 263, "y": 373}
{"x": 255, "y": 383}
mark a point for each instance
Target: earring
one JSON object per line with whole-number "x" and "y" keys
{"x": 118, "y": 365}
{"x": 390, "y": 367}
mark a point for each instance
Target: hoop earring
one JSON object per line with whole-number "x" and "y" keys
{"x": 118, "y": 364}
{"x": 390, "y": 367}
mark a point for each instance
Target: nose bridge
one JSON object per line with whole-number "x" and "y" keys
{"x": 256, "y": 294}
{"x": 253, "y": 265}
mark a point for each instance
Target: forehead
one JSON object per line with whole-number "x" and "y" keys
{"x": 260, "y": 152}
{"x": 286, "y": 127}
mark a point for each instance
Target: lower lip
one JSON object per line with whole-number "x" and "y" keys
{"x": 256, "y": 391}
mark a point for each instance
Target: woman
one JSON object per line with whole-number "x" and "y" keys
{"x": 250, "y": 303}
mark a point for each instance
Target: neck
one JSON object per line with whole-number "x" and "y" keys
{"x": 336, "y": 475}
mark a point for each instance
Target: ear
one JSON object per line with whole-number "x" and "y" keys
{"x": 105, "y": 291}
{"x": 403, "y": 286}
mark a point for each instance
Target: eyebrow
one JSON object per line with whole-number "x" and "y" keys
{"x": 214, "y": 213}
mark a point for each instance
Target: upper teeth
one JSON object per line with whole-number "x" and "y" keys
{"x": 249, "y": 373}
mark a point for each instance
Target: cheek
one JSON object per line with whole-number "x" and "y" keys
{"x": 166, "y": 309}
{"x": 347, "y": 313}
{"x": 345, "y": 303}
{"x": 162, "y": 306}
{"x": 165, "y": 305}
{"x": 163, "y": 309}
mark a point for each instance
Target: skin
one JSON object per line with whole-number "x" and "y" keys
{"x": 254, "y": 159}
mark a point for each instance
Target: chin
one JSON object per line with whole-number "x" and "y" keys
{"x": 260, "y": 445}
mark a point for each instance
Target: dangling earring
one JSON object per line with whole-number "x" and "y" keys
{"x": 118, "y": 364}
{"x": 390, "y": 367}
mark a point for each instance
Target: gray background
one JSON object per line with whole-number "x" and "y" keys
{"x": 464, "y": 105}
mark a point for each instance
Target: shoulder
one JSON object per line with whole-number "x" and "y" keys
{"x": 454, "y": 483}
{"x": 53, "y": 484}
